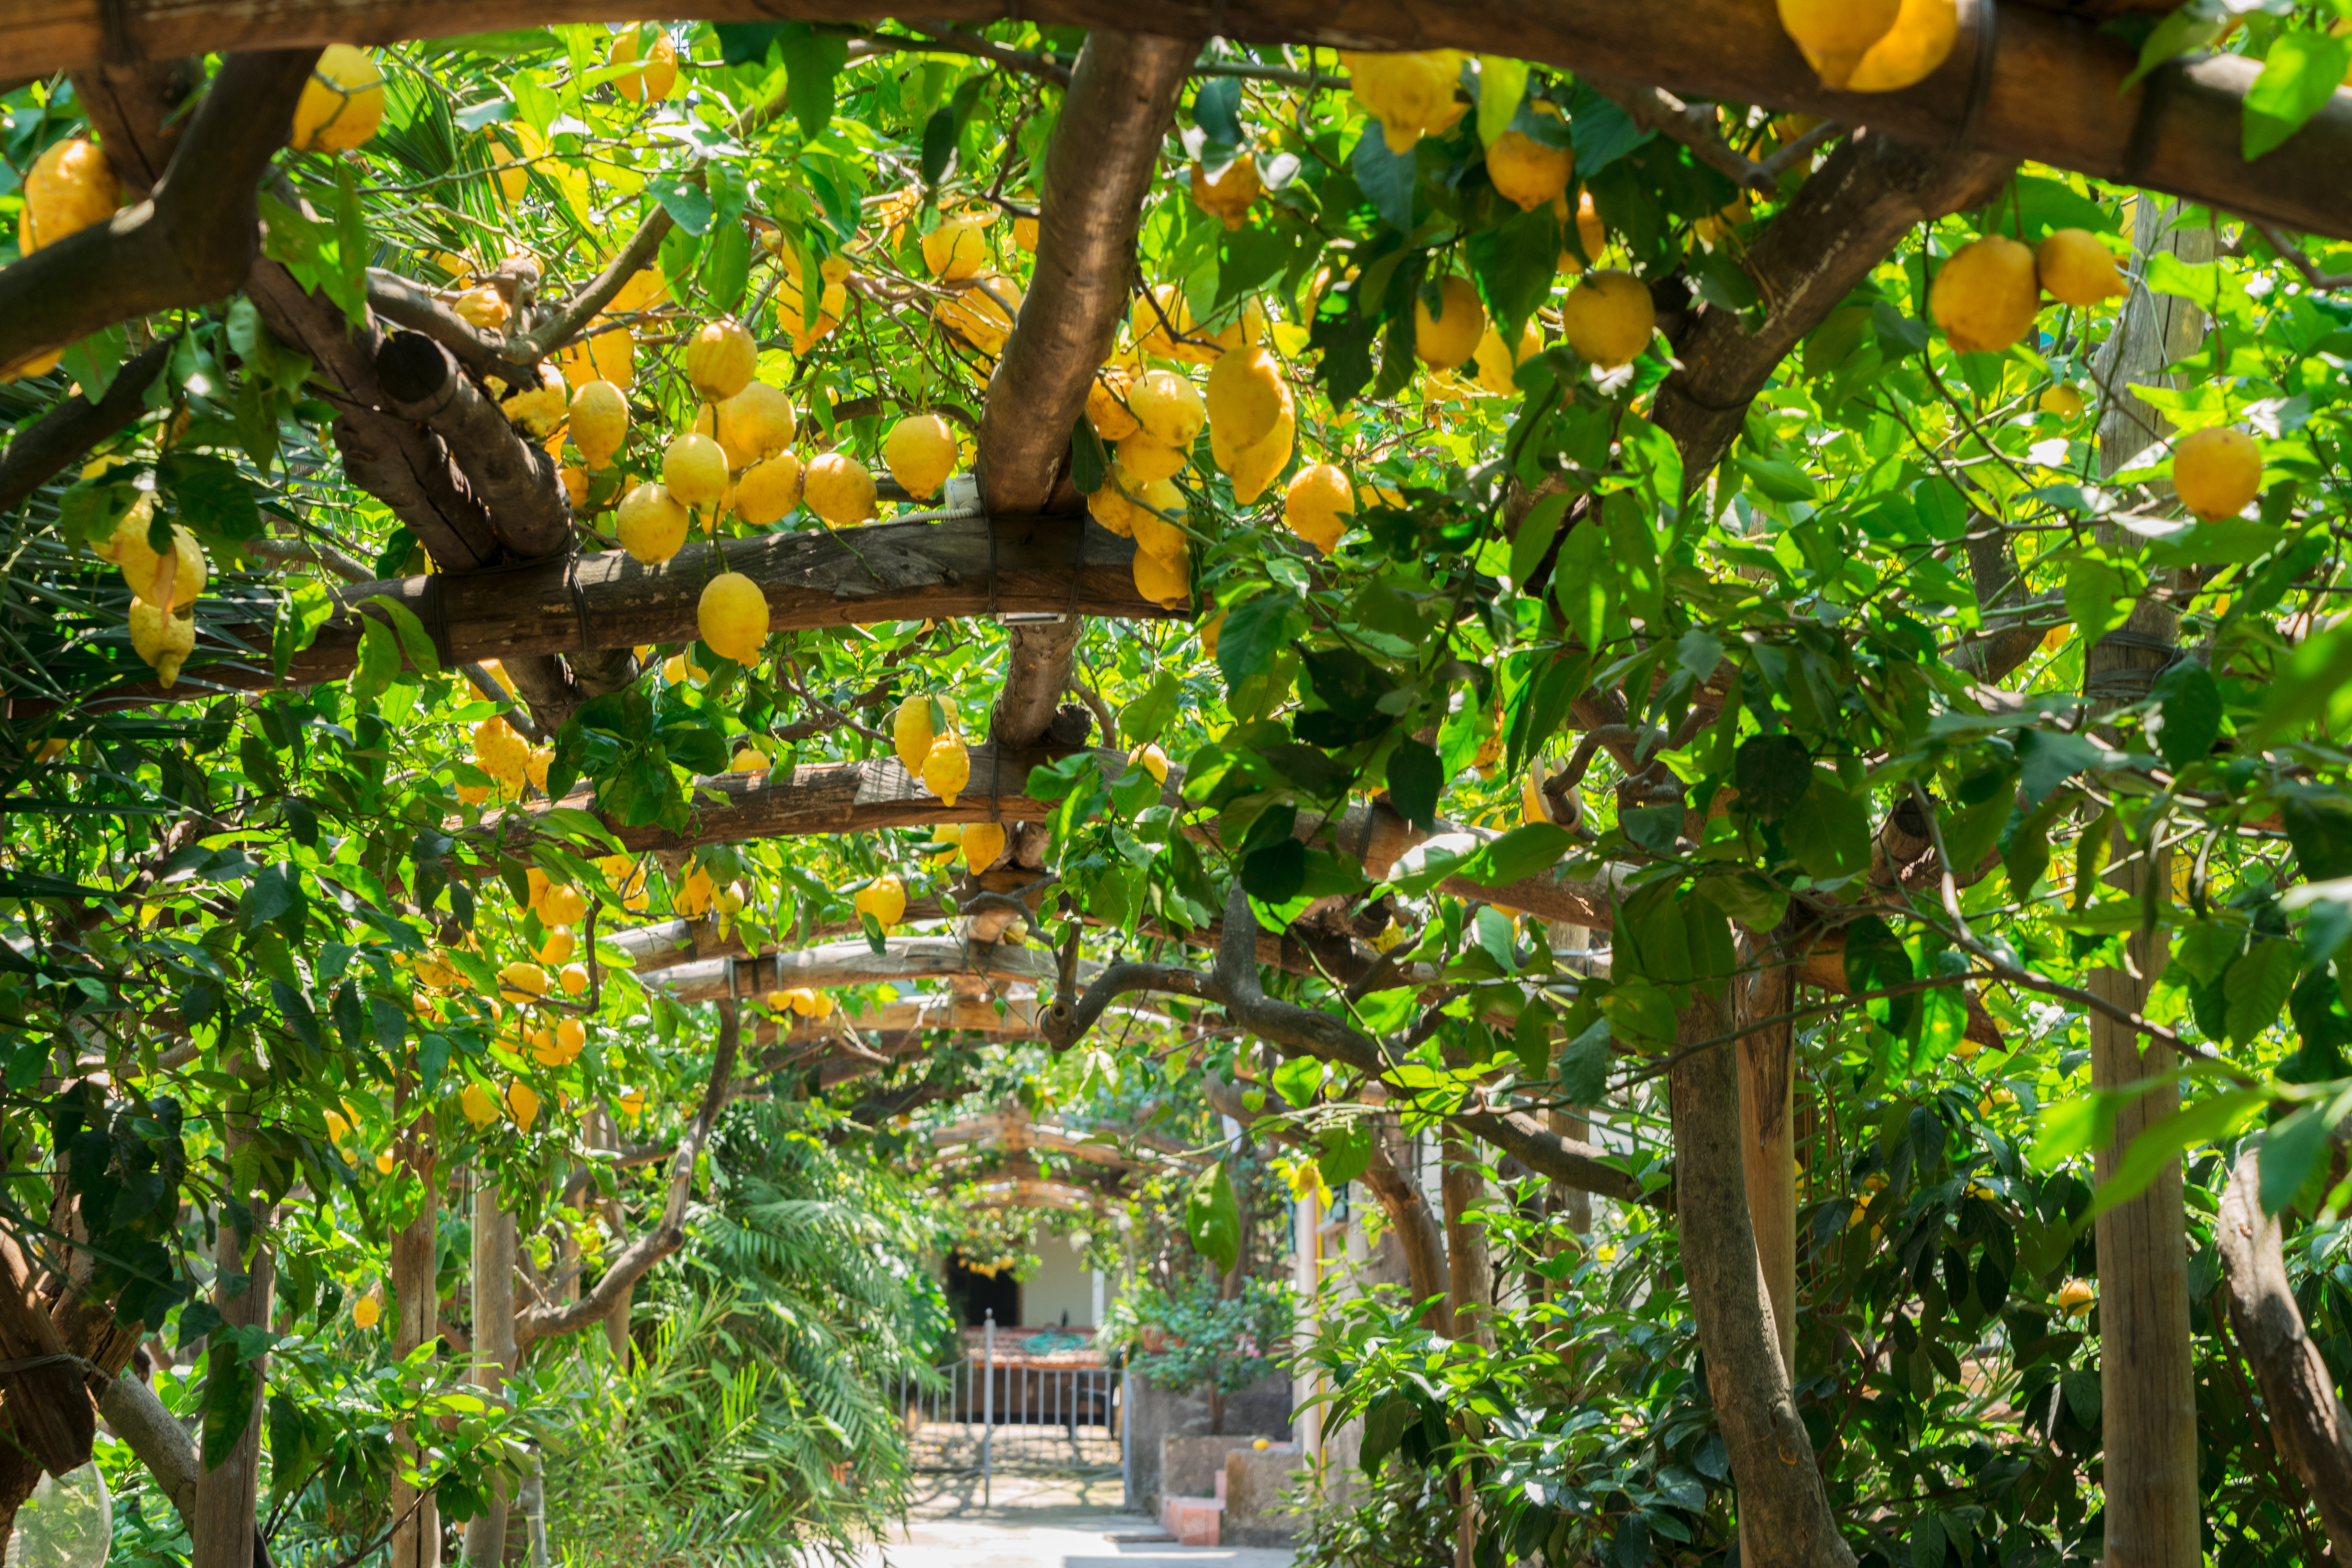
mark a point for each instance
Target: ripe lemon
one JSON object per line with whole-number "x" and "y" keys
{"x": 484, "y": 309}
{"x": 652, "y": 524}
{"x": 2217, "y": 472}
{"x": 1153, "y": 532}
{"x": 956, "y": 249}
{"x": 558, "y": 947}
{"x": 1168, "y": 407}
{"x": 1163, "y": 580}
{"x": 756, "y": 423}
{"x": 342, "y": 104}
{"x": 694, "y": 471}
{"x": 604, "y": 352}
{"x": 912, "y": 732}
{"x": 174, "y": 579}
{"x": 1245, "y": 395}
{"x": 1151, "y": 759}
{"x": 2064, "y": 401}
{"x": 522, "y": 1103}
{"x": 982, "y": 310}
{"x": 1111, "y": 507}
{"x": 2076, "y": 1295}
{"x": 1411, "y": 95}
{"x": 1920, "y": 41}
{"x": 1209, "y": 632}
{"x": 884, "y": 899}
{"x": 522, "y": 982}
{"x": 1496, "y": 364}
{"x": 600, "y": 422}
{"x": 630, "y": 1103}
{"x": 720, "y": 358}
{"x": 947, "y": 768}
{"x": 1590, "y": 233}
{"x": 1228, "y": 194}
{"x": 982, "y": 844}
{"x": 1246, "y": 330}
{"x": 732, "y": 616}
{"x": 1833, "y": 34}
{"x": 1318, "y": 504}
{"x": 1609, "y": 317}
{"x": 2074, "y": 269}
{"x": 161, "y": 637}
{"x": 1159, "y": 321}
{"x": 1257, "y": 465}
{"x": 1105, "y": 408}
{"x": 564, "y": 905}
{"x": 920, "y": 453}
{"x": 1143, "y": 460}
{"x": 750, "y": 759}
{"x": 1445, "y": 338}
{"x": 839, "y": 489}
{"x": 1526, "y": 170}
{"x": 695, "y": 893}
{"x": 652, "y": 81}
{"x": 367, "y": 1311}
{"x": 71, "y": 186}
{"x": 769, "y": 490}
{"x": 1985, "y": 296}
{"x": 1024, "y": 233}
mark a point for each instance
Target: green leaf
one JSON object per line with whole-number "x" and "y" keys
{"x": 1772, "y": 773}
{"x": 2299, "y": 75}
{"x": 1520, "y": 854}
{"x": 1089, "y": 464}
{"x": 2188, "y": 714}
{"x": 1255, "y": 630}
{"x": 1343, "y": 1152}
{"x": 2316, "y": 679}
{"x": 1537, "y": 530}
{"x": 2289, "y": 1152}
{"x": 1584, "y": 1066}
{"x": 1386, "y": 178}
{"x": 1502, "y": 83}
{"x": 1276, "y": 873}
{"x": 727, "y": 267}
{"x": 1144, "y": 719}
{"x": 230, "y": 1384}
{"x": 2256, "y": 987}
{"x": 1416, "y": 779}
{"x": 1829, "y": 830}
{"x": 1212, "y": 1220}
{"x": 305, "y": 609}
{"x": 379, "y": 661}
{"x": 415, "y": 641}
{"x": 93, "y": 360}
{"x": 2099, "y": 596}
{"x": 2082, "y": 1386}
{"x": 1876, "y": 960}
{"x": 210, "y": 494}
{"x": 811, "y": 61}
{"x": 2169, "y": 1138}
{"x": 1779, "y": 481}
{"x": 1299, "y": 1080}
{"x": 1216, "y": 110}
{"x": 2051, "y": 756}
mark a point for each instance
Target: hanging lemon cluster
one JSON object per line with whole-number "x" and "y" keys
{"x": 1985, "y": 296}
{"x": 509, "y": 760}
{"x": 800, "y": 1001}
{"x": 980, "y": 844}
{"x": 884, "y": 898}
{"x": 923, "y": 733}
{"x": 977, "y": 304}
{"x": 165, "y": 585}
{"x": 1872, "y": 46}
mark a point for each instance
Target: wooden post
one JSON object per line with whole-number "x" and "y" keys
{"x": 416, "y": 1307}
{"x": 221, "y": 1534}
{"x": 1767, "y": 1142}
{"x": 494, "y": 1345}
{"x": 2148, "y": 1392}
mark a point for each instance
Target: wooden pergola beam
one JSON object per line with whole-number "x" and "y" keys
{"x": 903, "y": 958}
{"x": 2045, "y": 84}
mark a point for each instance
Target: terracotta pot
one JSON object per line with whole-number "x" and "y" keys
{"x": 1154, "y": 1338}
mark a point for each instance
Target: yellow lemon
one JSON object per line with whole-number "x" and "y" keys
{"x": 1833, "y": 34}
{"x": 1168, "y": 407}
{"x": 732, "y": 616}
{"x": 769, "y": 490}
{"x": 750, "y": 759}
{"x": 575, "y": 980}
{"x": 605, "y": 354}
{"x": 1985, "y": 295}
{"x": 600, "y": 421}
{"x": 956, "y": 249}
{"x": 2074, "y": 269}
{"x": 720, "y": 358}
{"x": 1609, "y": 317}
{"x": 2064, "y": 401}
{"x": 838, "y": 488}
{"x": 982, "y": 844}
{"x": 980, "y": 310}
{"x": 480, "y": 1106}
{"x": 484, "y": 308}
{"x": 1411, "y": 95}
{"x": 652, "y": 524}
{"x": 558, "y": 947}
{"x": 1163, "y": 580}
{"x": 884, "y": 899}
{"x": 652, "y": 81}
{"x": 1258, "y": 465}
{"x": 1443, "y": 339}
{"x": 342, "y": 104}
{"x": 920, "y": 453}
{"x": 1228, "y": 194}
{"x": 1105, "y": 408}
{"x": 522, "y": 983}
{"x": 1142, "y": 460}
{"x": 1153, "y": 531}
{"x": 1497, "y": 363}
{"x": 1526, "y": 170}
{"x": 564, "y": 905}
{"x": 2076, "y": 1295}
{"x": 1920, "y": 41}
{"x": 163, "y": 637}
{"x": 756, "y": 423}
{"x": 385, "y": 1161}
{"x": 695, "y": 893}
{"x": 912, "y": 731}
{"x": 522, "y": 1101}
{"x": 1151, "y": 759}
{"x": 947, "y": 768}
{"x": 1024, "y": 233}
{"x": 1318, "y": 504}
{"x": 367, "y": 1311}
{"x": 2217, "y": 472}
{"x": 70, "y": 187}
{"x": 173, "y": 578}
{"x": 1590, "y": 232}
{"x": 1245, "y": 395}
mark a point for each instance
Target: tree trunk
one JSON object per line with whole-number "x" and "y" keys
{"x": 1419, "y": 1233}
{"x": 1784, "y": 1510}
{"x": 416, "y": 1309}
{"x": 2148, "y": 1396}
{"x": 1767, "y": 1142}
{"x": 494, "y": 1346}
{"x": 223, "y": 1532}
{"x": 1469, "y": 1275}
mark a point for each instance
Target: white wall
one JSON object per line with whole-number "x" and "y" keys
{"x": 1062, "y": 1284}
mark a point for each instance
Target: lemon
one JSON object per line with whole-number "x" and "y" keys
{"x": 514, "y": 178}
{"x": 1498, "y": 364}
{"x": 1590, "y": 232}
{"x": 956, "y": 249}
{"x": 522, "y": 983}
{"x": 2217, "y": 472}
{"x": 982, "y": 844}
{"x": 920, "y": 453}
{"x": 769, "y": 490}
{"x": 756, "y": 423}
{"x": 161, "y": 637}
{"x": 1152, "y": 531}
{"x": 367, "y": 1311}
{"x": 384, "y": 1163}
{"x": 1834, "y": 35}
{"x": 2076, "y": 1295}
{"x": 1151, "y": 759}
{"x": 536, "y": 763}
{"x": 600, "y": 422}
{"x": 1228, "y": 194}
{"x": 1024, "y": 233}
{"x": 557, "y": 949}
{"x": 1105, "y": 409}
{"x": 576, "y": 981}
{"x": 980, "y": 310}
{"x": 604, "y": 352}
{"x": 1532, "y": 808}
{"x": 1209, "y": 631}
{"x": 652, "y": 524}
{"x": 1164, "y": 580}
{"x": 884, "y": 899}
{"x": 839, "y": 489}
{"x": 1985, "y": 296}
{"x": 792, "y": 306}
{"x": 174, "y": 579}
{"x": 750, "y": 759}
{"x": 2064, "y": 401}
{"x": 803, "y": 1001}
{"x": 694, "y": 471}
{"x": 1526, "y": 170}
{"x": 1143, "y": 460}
{"x": 911, "y": 731}
{"x": 484, "y": 308}
{"x": 522, "y": 1101}
{"x": 1411, "y": 95}
{"x": 947, "y": 768}
{"x": 342, "y": 104}
{"x": 1159, "y": 322}
{"x": 720, "y": 357}
{"x": 2074, "y": 269}
{"x": 1168, "y": 407}
{"x": 480, "y": 1106}
{"x": 630, "y": 1103}
{"x": 539, "y": 409}
{"x": 71, "y": 186}
{"x": 1609, "y": 317}
{"x": 1257, "y": 465}
{"x": 1318, "y": 504}
{"x": 564, "y": 905}
{"x": 1245, "y": 395}
{"x": 732, "y": 616}
{"x": 1246, "y": 330}
{"x": 1443, "y": 339}
{"x": 652, "y": 81}
{"x": 695, "y": 893}
{"x": 1920, "y": 41}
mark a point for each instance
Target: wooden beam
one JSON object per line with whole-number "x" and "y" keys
{"x": 857, "y": 963}
{"x": 823, "y": 577}
{"x": 2049, "y": 86}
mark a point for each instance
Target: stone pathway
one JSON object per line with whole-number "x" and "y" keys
{"x": 1044, "y": 1521}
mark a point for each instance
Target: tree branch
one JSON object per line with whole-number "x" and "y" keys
{"x": 63, "y": 437}
{"x": 529, "y": 512}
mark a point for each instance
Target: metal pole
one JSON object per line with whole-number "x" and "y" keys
{"x": 987, "y": 1406}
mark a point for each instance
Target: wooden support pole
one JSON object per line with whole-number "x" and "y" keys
{"x": 221, "y": 1534}
{"x": 494, "y": 1346}
{"x": 416, "y": 1319}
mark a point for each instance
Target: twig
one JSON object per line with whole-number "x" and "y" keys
{"x": 2295, "y": 258}
{"x": 1655, "y": 108}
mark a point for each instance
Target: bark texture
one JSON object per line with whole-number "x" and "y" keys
{"x": 494, "y": 1346}
{"x": 222, "y": 1533}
